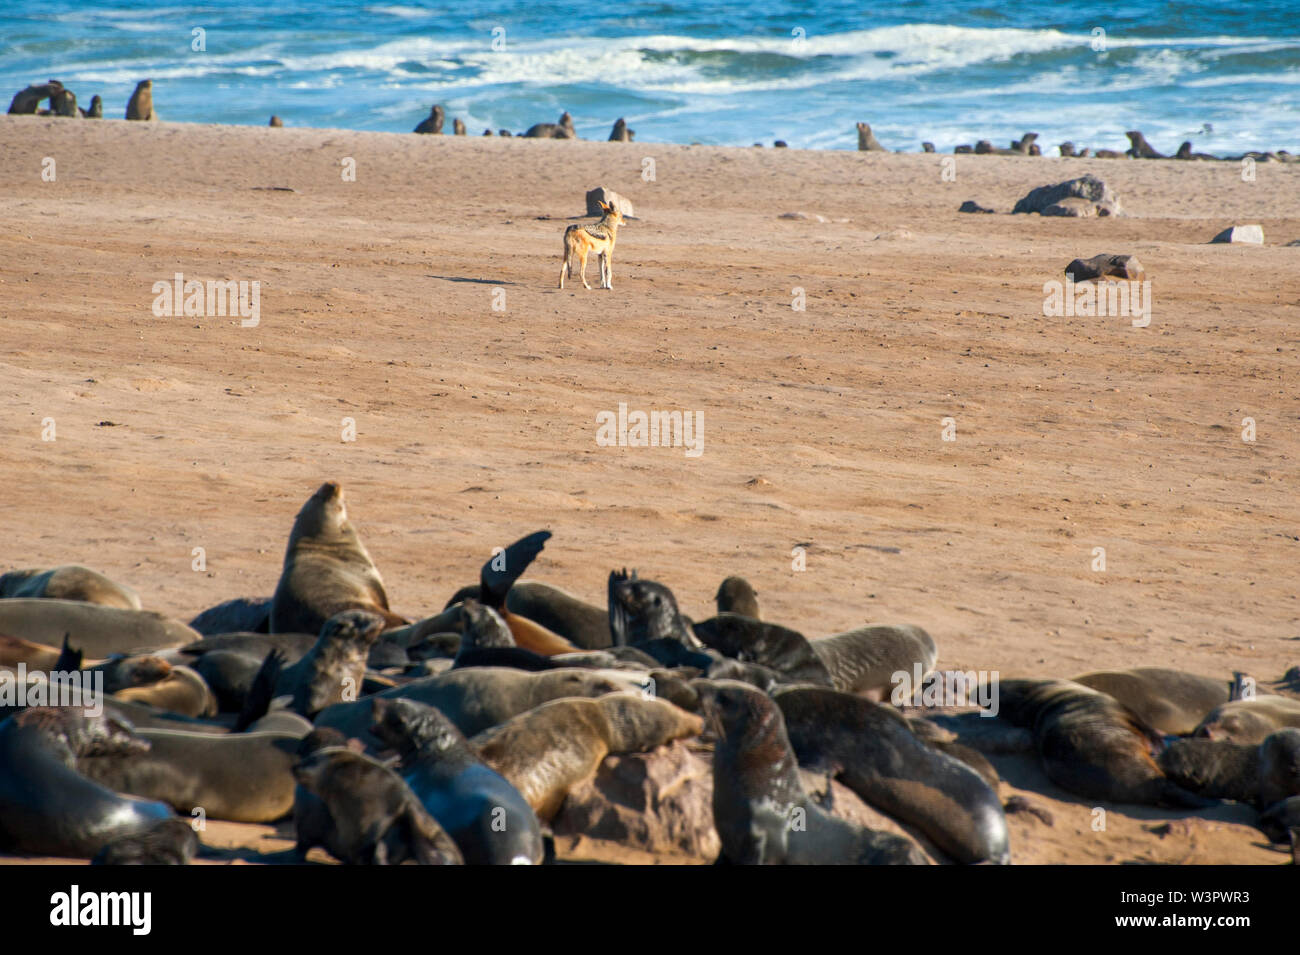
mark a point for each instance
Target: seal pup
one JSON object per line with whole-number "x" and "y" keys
{"x": 1139, "y": 148}
{"x": 735, "y": 595}
{"x": 584, "y": 625}
{"x": 477, "y": 698}
{"x": 547, "y": 751}
{"x": 1250, "y": 721}
{"x": 98, "y": 630}
{"x": 170, "y": 842}
{"x": 1214, "y": 768}
{"x": 498, "y": 576}
{"x": 140, "y": 106}
{"x": 1170, "y": 701}
{"x": 240, "y": 615}
{"x": 240, "y": 777}
{"x": 46, "y": 806}
{"x": 760, "y": 809}
{"x": 362, "y": 813}
{"x": 1090, "y": 745}
{"x": 873, "y": 750}
{"x": 486, "y": 816}
{"x": 432, "y": 125}
{"x": 332, "y": 671}
{"x": 326, "y": 569}
{"x": 69, "y": 582}
{"x": 867, "y": 141}
{"x": 620, "y": 133}
{"x": 181, "y": 691}
{"x": 1281, "y": 821}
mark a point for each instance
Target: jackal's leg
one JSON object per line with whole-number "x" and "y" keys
{"x": 564, "y": 268}
{"x": 609, "y": 270}
{"x": 582, "y": 254}
{"x": 600, "y": 258}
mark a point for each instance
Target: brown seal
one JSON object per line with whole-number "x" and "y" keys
{"x": 1139, "y": 148}
{"x": 458, "y": 126}
{"x": 1279, "y": 767}
{"x": 580, "y": 623}
{"x": 1248, "y": 721}
{"x": 69, "y": 582}
{"x": 873, "y": 750}
{"x": 240, "y": 777}
{"x": 735, "y": 595}
{"x": 99, "y": 631}
{"x": 760, "y": 809}
{"x": 27, "y": 101}
{"x": 182, "y": 691}
{"x": 561, "y": 130}
{"x": 276, "y": 122}
{"x": 239, "y": 615}
{"x": 1214, "y": 768}
{"x": 496, "y": 580}
{"x": 96, "y": 110}
{"x": 140, "y": 105}
{"x": 620, "y": 133}
{"x": 46, "y": 806}
{"x": 170, "y": 842}
{"x": 546, "y": 751}
{"x": 1090, "y": 745}
{"x": 1170, "y": 701}
{"x": 432, "y": 124}
{"x": 867, "y": 141}
{"x": 326, "y": 569}
{"x": 362, "y": 813}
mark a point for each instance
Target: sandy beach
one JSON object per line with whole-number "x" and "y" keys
{"x": 822, "y": 427}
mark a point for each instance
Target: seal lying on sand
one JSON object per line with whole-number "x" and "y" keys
{"x": 873, "y": 751}
{"x": 99, "y": 631}
{"x": 561, "y": 130}
{"x": 170, "y": 842}
{"x": 1170, "y": 701}
{"x": 478, "y": 698}
{"x": 362, "y": 813}
{"x": 69, "y": 582}
{"x": 788, "y": 654}
{"x": 241, "y": 615}
{"x": 326, "y": 569}
{"x": 760, "y": 809}
{"x": 241, "y": 777}
{"x": 497, "y": 577}
{"x": 1247, "y": 721}
{"x": 1090, "y": 745}
{"x": 546, "y": 751}
{"x": 46, "y": 806}
{"x": 488, "y": 818}
{"x": 582, "y": 624}
{"x": 1214, "y": 768}
{"x": 181, "y": 691}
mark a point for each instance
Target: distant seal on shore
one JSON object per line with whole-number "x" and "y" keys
{"x": 64, "y": 103}
{"x": 546, "y": 751}
{"x": 181, "y": 691}
{"x": 1139, "y": 148}
{"x": 873, "y": 751}
{"x": 46, "y": 806}
{"x": 486, "y": 816}
{"x": 97, "y": 630}
{"x": 276, "y": 122}
{"x": 28, "y": 101}
{"x": 561, "y": 130}
{"x": 1244, "y": 721}
{"x": 432, "y": 125}
{"x": 362, "y": 813}
{"x": 582, "y": 624}
{"x": 458, "y": 126}
{"x": 326, "y": 569}
{"x": 735, "y": 595}
{"x": 620, "y": 133}
{"x": 760, "y": 809}
{"x": 69, "y": 582}
{"x": 1170, "y": 701}
{"x": 1090, "y": 745}
{"x": 478, "y": 698}
{"x": 140, "y": 105}
{"x": 867, "y": 141}
{"x": 96, "y": 110}
{"x": 240, "y": 777}
{"x": 240, "y": 615}
{"x": 170, "y": 842}
{"x": 332, "y": 671}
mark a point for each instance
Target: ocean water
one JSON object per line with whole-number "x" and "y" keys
{"x": 1224, "y": 75}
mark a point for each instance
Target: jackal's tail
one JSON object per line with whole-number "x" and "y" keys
{"x": 566, "y": 269}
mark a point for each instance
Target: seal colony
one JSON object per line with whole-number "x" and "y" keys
{"x": 463, "y": 736}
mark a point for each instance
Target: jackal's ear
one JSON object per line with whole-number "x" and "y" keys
{"x": 606, "y": 206}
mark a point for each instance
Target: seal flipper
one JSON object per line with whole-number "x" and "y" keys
{"x": 502, "y": 570}
{"x": 617, "y": 612}
{"x": 69, "y": 659}
{"x": 258, "y": 701}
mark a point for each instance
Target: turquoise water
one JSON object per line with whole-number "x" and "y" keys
{"x": 1226, "y": 76}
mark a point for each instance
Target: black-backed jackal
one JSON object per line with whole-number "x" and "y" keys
{"x": 586, "y": 239}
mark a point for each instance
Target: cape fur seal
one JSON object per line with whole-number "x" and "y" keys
{"x": 170, "y": 842}
{"x": 1170, "y": 701}
{"x": 1139, "y": 148}
{"x": 1213, "y": 768}
{"x": 326, "y": 569}
{"x": 332, "y": 671}
{"x": 486, "y": 816}
{"x": 96, "y": 110}
{"x": 1281, "y": 821}
{"x": 140, "y": 106}
{"x": 27, "y": 101}
{"x": 362, "y": 813}
{"x": 867, "y": 141}
{"x": 760, "y": 809}
{"x": 478, "y": 698}
{"x": 181, "y": 691}
{"x": 1246, "y": 721}
{"x": 546, "y": 751}
{"x": 620, "y": 133}
{"x": 241, "y": 777}
{"x": 1090, "y": 745}
{"x": 99, "y": 631}
{"x": 64, "y": 103}
{"x": 69, "y": 582}
{"x": 872, "y": 750}
{"x": 735, "y": 595}
{"x": 561, "y": 130}
{"x": 497, "y": 578}
{"x": 643, "y": 611}
{"x": 789, "y": 655}
{"x": 582, "y": 624}
{"x": 1279, "y": 767}
{"x": 458, "y": 127}
{"x": 240, "y": 615}
{"x": 46, "y": 806}
{"x": 432, "y": 125}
